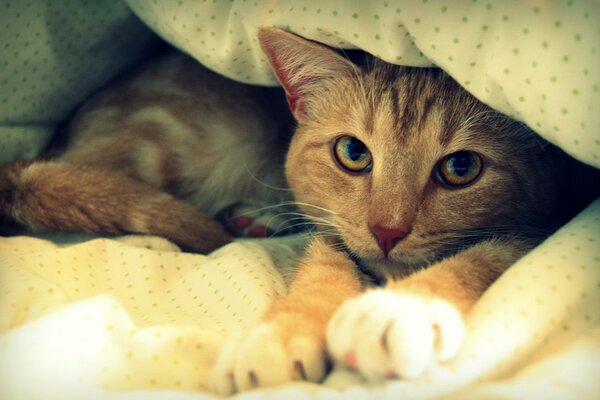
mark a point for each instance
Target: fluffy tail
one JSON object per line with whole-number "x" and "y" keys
{"x": 56, "y": 196}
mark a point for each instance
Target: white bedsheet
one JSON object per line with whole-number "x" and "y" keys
{"x": 103, "y": 317}
{"x": 105, "y": 320}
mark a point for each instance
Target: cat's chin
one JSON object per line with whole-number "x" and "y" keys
{"x": 395, "y": 266}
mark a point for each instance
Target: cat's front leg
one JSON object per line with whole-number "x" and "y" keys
{"x": 290, "y": 342}
{"x": 403, "y": 329}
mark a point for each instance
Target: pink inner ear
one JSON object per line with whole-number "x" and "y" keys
{"x": 283, "y": 75}
{"x": 292, "y": 102}
{"x": 294, "y": 92}
{"x": 300, "y": 65}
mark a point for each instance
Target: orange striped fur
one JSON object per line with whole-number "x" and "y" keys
{"x": 161, "y": 152}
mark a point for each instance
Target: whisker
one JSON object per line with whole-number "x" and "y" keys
{"x": 265, "y": 184}
{"x": 294, "y": 203}
{"x": 294, "y": 226}
{"x": 304, "y": 220}
{"x": 265, "y": 208}
{"x": 301, "y": 203}
{"x": 457, "y": 240}
{"x": 323, "y": 235}
{"x": 287, "y": 204}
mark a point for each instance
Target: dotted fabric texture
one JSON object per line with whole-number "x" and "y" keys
{"x": 54, "y": 54}
{"x": 103, "y": 320}
{"x": 536, "y": 61}
{"x": 105, "y": 315}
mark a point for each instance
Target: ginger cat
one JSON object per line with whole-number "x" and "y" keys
{"x": 163, "y": 151}
{"x": 413, "y": 184}
{"x": 419, "y": 187}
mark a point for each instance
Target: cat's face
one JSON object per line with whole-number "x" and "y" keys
{"x": 400, "y": 165}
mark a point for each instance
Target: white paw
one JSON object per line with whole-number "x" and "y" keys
{"x": 149, "y": 242}
{"x": 386, "y": 334}
{"x": 261, "y": 358}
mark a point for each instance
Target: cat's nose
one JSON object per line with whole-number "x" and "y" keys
{"x": 387, "y": 238}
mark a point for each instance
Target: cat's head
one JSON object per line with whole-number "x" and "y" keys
{"x": 402, "y": 165}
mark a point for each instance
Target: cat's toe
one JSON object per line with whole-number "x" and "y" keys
{"x": 222, "y": 380}
{"x": 262, "y": 358}
{"x": 384, "y": 333}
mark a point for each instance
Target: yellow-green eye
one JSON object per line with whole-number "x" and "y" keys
{"x": 352, "y": 155}
{"x": 459, "y": 169}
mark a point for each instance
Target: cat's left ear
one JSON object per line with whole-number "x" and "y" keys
{"x": 301, "y": 66}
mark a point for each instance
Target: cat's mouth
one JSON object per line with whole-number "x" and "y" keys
{"x": 380, "y": 268}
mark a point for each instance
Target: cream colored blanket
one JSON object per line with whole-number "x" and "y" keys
{"x": 103, "y": 319}
{"x": 106, "y": 320}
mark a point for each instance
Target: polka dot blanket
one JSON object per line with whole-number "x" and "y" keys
{"x": 103, "y": 319}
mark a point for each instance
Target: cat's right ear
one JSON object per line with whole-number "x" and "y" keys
{"x": 301, "y": 66}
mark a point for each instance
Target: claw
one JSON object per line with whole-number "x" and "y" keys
{"x": 384, "y": 338}
{"x": 263, "y": 358}
{"x": 299, "y": 368}
{"x": 232, "y": 380}
{"x": 253, "y": 379}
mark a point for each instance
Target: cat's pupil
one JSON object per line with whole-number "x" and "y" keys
{"x": 351, "y": 154}
{"x": 355, "y": 149}
{"x": 460, "y": 164}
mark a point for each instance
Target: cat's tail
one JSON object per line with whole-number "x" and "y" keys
{"x": 57, "y": 196}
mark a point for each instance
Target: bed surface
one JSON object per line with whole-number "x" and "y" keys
{"x": 103, "y": 319}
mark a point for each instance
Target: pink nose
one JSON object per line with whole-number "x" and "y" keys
{"x": 387, "y": 238}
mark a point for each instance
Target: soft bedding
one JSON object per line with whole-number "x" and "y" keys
{"x": 104, "y": 319}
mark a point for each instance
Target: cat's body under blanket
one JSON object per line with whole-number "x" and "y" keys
{"x": 170, "y": 131}
{"x": 410, "y": 181}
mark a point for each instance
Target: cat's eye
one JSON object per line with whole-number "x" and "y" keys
{"x": 352, "y": 155}
{"x": 459, "y": 169}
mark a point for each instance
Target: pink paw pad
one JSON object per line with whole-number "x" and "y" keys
{"x": 390, "y": 374}
{"x": 350, "y": 361}
{"x": 241, "y": 221}
{"x": 260, "y": 231}
{"x": 244, "y": 221}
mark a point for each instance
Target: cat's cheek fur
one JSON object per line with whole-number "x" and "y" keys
{"x": 385, "y": 333}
